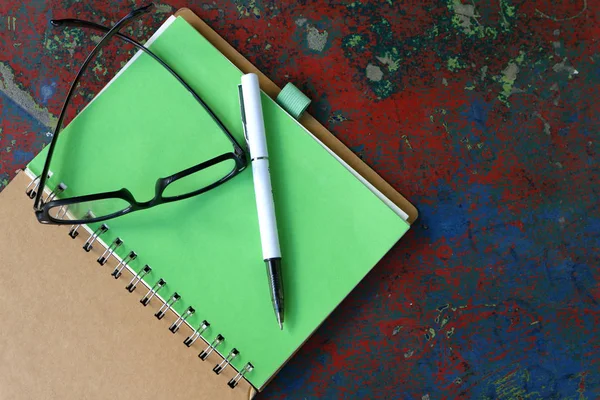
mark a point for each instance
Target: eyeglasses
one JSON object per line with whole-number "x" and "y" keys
{"x": 98, "y": 207}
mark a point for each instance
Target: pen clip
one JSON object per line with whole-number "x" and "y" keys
{"x": 243, "y": 111}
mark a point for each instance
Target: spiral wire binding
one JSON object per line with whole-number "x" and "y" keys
{"x": 73, "y": 231}
{"x": 226, "y": 361}
{"x": 88, "y": 243}
{"x": 103, "y": 259}
{"x": 196, "y": 334}
{"x": 62, "y": 212}
{"x": 215, "y": 343}
{"x": 61, "y": 187}
{"x": 32, "y": 191}
{"x": 167, "y": 306}
{"x": 123, "y": 263}
{"x": 137, "y": 278}
{"x": 110, "y": 251}
{"x": 182, "y": 318}
{"x": 236, "y": 379}
{"x": 153, "y": 290}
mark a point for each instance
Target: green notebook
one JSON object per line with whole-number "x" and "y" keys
{"x": 144, "y": 125}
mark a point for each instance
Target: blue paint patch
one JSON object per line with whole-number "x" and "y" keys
{"x": 13, "y": 111}
{"x": 4, "y": 177}
{"x": 294, "y": 380}
{"x": 443, "y": 220}
{"x": 591, "y": 225}
{"x": 358, "y": 150}
{"x": 46, "y": 92}
{"x": 22, "y": 157}
{"x": 478, "y": 113}
{"x": 451, "y": 217}
{"x": 584, "y": 282}
{"x": 559, "y": 287}
{"x": 573, "y": 117}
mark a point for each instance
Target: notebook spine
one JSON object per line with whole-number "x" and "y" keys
{"x": 109, "y": 252}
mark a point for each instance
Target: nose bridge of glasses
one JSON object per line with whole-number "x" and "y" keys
{"x": 159, "y": 188}
{"x": 156, "y": 199}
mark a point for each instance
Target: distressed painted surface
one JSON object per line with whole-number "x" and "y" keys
{"x": 485, "y": 114}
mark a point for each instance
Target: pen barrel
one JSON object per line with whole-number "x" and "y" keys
{"x": 255, "y": 125}
{"x": 265, "y": 206}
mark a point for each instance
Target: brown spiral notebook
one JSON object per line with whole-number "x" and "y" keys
{"x": 69, "y": 332}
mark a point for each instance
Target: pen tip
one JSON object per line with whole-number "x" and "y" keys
{"x": 280, "y": 322}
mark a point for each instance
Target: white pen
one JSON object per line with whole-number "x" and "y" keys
{"x": 254, "y": 130}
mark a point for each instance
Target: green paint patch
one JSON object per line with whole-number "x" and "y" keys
{"x": 512, "y": 385}
{"x": 246, "y": 9}
{"x": 508, "y": 78}
{"x": 382, "y": 29}
{"x": 65, "y": 45}
{"x": 430, "y": 334}
{"x": 337, "y": 117}
{"x": 383, "y": 89}
{"x": 508, "y": 14}
{"x": 392, "y": 55}
{"x": 383, "y": 72}
{"x": 52, "y": 43}
{"x": 467, "y": 143}
{"x": 99, "y": 69}
{"x": 163, "y": 8}
{"x": 356, "y": 6}
{"x": 454, "y": 64}
{"x": 405, "y": 137}
{"x": 96, "y": 38}
{"x": 508, "y": 9}
{"x": 490, "y": 32}
{"x": 354, "y": 40}
{"x": 466, "y": 19}
{"x": 391, "y": 59}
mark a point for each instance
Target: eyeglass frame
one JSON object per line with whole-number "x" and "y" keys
{"x": 42, "y": 210}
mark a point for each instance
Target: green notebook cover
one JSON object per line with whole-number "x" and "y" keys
{"x": 144, "y": 125}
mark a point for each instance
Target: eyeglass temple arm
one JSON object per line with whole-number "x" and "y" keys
{"x": 109, "y": 32}
{"x": 74, "y": 22}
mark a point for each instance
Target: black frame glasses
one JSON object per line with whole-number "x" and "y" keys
{"x": 46, "y": 212}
